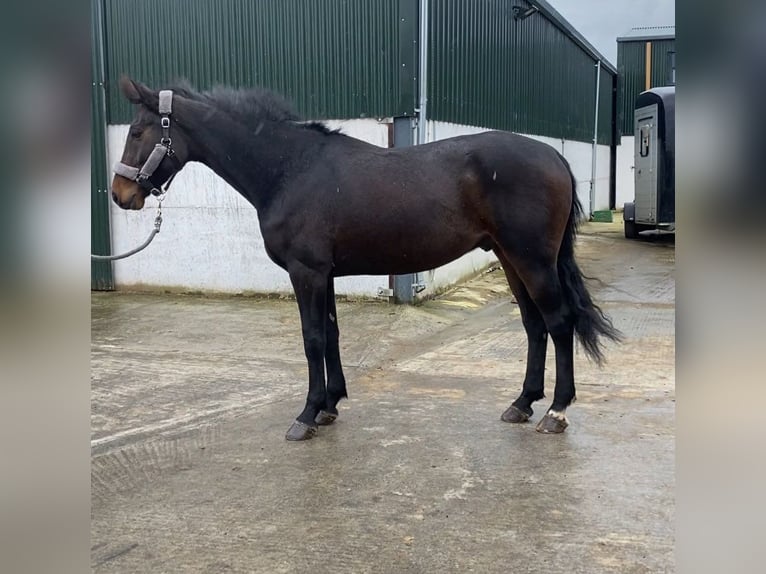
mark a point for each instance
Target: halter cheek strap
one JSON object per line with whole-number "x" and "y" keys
{"x": 143, "y": 175}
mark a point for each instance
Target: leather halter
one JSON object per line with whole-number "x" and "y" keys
{"x": 143, "y": 175}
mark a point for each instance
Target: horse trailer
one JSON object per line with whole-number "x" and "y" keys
{"x": 654, "y": 205}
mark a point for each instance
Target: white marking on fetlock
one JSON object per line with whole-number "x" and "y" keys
{"x": 558, "y": 415}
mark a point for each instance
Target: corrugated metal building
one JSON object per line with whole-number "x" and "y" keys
{"x": 646, "y": 58}
{"x": 488, "y": 64}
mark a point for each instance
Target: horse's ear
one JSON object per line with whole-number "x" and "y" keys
{"x": 138, "y": 93}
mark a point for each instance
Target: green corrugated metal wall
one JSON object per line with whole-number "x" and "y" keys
{"x": 487, "y": 69}
{"x": 357, "y": 58}
{"x": 661, "y": 61}
{"x": 331, "y": 58}
{"x": 605, "y": 105}
{"x": 631, "y": 65}
{"x": 100, "y": 239}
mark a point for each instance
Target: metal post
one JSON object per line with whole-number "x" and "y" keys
{"x": 418, "y": 283}
{"x": 402, "y": 284}
{"x": 423, "y": 73}
{"x": 595, "y": 141}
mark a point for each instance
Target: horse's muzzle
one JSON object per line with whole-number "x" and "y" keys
{"x": 127, "y": 194}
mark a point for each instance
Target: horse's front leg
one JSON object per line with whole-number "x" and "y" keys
{"x": 311, "y": 293}
{"x": 336, "y": 381}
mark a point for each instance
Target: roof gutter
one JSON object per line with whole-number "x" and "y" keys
{"x": 646, "y": 37}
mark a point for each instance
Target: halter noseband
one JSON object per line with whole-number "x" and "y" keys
{"x": 143, "y": 176}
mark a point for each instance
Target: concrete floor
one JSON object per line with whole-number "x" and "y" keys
{"x": 191, "y": 397}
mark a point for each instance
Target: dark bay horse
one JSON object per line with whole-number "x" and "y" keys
{"x": 330, "y": 205}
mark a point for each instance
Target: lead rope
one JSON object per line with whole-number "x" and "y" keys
{"x": 145, "y": 244}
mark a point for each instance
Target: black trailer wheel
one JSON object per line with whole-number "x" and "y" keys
{"x": 631, "y": 230}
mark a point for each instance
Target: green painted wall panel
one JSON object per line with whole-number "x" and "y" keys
{"x": 631, "y": 64}
{"x": 661, "y": 62}
{"x": 605, "y": 104}
{"x": 489, "y": 70}
{"x": 331, "y": 58}
{"x": 101, "y": 277}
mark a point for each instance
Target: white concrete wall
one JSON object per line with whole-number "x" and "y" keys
{"x": 211, "y": 240}
{"x": 626, "y": 184}
{"x": 443, "y": 277}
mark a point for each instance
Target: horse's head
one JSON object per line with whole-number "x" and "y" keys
{"x": 154, "y": 151}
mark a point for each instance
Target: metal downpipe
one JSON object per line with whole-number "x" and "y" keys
{"x": 595, "y": 142}
{"x": 423, "y": 73}
{"x": 419, "y": 283}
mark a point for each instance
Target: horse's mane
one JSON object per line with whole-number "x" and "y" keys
{"x": 249, "y": 106}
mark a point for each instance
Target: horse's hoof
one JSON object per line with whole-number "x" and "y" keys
{"x": 551, "y": 424}
{"x": 300, "y": 431}
{"x": 514, "y": 415}
{"x": 325, "y": 418}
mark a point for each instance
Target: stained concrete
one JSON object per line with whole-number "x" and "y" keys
{"x": 191, "y": 397}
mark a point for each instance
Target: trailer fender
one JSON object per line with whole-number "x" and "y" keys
{"x": 629, "y": 211}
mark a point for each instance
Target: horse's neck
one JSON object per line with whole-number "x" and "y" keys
{"x": 254, "y": 162}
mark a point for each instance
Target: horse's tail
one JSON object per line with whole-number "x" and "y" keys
{"x": 590, "y": 321}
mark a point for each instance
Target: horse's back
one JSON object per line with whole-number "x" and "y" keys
{"x": 503, "y": 149}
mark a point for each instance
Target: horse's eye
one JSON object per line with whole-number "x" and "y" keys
{"x": 136, "y": 134}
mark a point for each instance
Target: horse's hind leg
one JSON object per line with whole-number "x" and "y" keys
{"x": 544, "y": 287}
{"x": 537, "y": 345}
{"x": 336, "y": 381}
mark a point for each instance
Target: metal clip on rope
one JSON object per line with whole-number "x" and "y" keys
{"x": 144, "y": 245}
